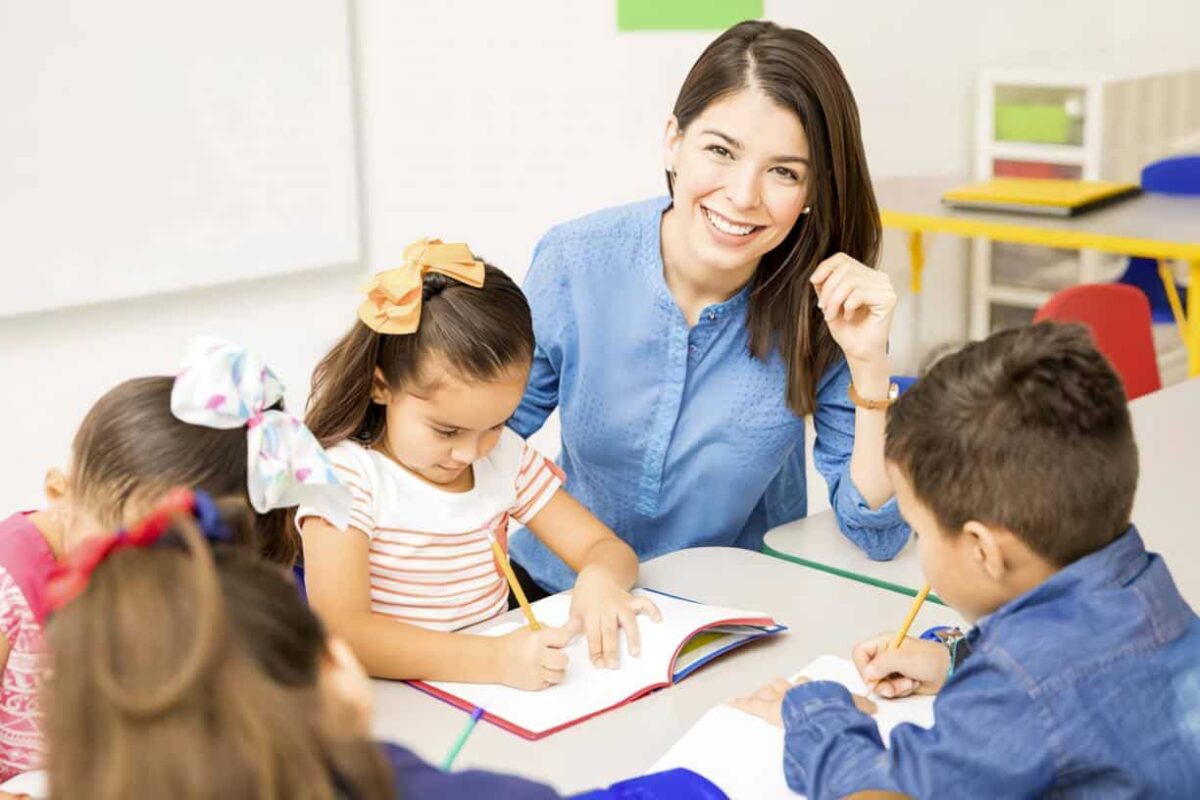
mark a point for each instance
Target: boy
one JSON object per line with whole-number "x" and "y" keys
{"x": 1015, "y": 464}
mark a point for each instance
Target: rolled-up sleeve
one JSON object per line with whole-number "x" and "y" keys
{"x": 880, "y": 533}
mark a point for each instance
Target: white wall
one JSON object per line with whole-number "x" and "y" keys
{"x": 510, "y": 126}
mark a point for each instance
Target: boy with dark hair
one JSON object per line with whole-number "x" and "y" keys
{"x": 1015, "y": 464}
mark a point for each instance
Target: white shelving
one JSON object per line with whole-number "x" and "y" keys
{"x": 1117, "y": 122}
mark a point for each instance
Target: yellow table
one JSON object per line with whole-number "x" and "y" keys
{"x": 1156, "y": 226}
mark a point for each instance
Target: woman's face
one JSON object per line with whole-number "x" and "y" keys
{"x": 741, "y": 179}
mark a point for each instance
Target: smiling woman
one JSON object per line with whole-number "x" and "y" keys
{"x": 685, "y": 338}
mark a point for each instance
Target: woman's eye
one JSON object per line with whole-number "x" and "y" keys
{"x": 787, "y": 173}
{"x": 445, "y": 434}
{"x": 717, "y": 149}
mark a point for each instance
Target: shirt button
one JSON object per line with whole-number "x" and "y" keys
{"x": 712, "y": 315}
{"x": 692, "y": 349}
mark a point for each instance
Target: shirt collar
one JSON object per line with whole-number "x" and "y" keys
{"x": 652, "y": 239}
{"x": 1115, "y": 564}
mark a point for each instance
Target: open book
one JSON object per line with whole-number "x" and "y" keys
{"x": 743, "y": 754}
{"x": 689, "y": 636}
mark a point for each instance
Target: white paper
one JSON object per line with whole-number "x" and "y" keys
{"x": 588, "y": 689}
{"x": 743, "y": 754}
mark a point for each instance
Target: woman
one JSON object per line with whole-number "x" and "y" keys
{"x": 685, "y": 338}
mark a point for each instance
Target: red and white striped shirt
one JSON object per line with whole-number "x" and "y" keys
{"x": 430, "y": 560}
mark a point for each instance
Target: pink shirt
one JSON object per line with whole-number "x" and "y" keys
{"x": 25, "y": 564}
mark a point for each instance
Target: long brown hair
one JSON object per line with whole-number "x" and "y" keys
{"x": 479, "y": 332}
{"x": 161, "y": 688}
{"x": 130, "y": 448}
{"x": 799, "y": 74}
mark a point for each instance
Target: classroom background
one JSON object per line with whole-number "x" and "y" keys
{"x": 238, "y": 169}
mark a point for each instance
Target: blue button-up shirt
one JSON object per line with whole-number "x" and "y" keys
{"x": 674, "y": 436}
{"x": 1086, "y": 686}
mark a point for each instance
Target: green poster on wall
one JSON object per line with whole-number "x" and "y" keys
{"x": 684, "y": 15}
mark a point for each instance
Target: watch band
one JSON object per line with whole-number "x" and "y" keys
{"x": 873, "y": 405}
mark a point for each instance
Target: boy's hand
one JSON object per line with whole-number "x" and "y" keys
{"x": 767, "y": 702}
{"x": 918, "y": 667}
{"x": 600, "y": 607}
{"x": 533, "y": 660}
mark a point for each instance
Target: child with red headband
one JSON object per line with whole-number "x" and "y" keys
{"x": 218, "y": 426}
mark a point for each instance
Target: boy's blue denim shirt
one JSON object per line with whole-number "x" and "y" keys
{"x": 1086, "y": 686}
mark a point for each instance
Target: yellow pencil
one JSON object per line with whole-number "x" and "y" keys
{"x": 502, "y": 560}
{"x": 912, "y": 615}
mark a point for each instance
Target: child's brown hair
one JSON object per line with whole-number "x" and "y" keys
{"x": 130, "y": 449}
{"x": 1028, "y": 430}
{"x": 161, "y": 688}
{"x": 479, "y": 332}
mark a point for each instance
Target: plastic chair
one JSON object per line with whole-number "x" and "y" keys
{"x": 1119, "y": 319}
{"x": 1179, "y": 175}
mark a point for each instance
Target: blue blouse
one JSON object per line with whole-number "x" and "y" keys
{"x": 673, "y": 436}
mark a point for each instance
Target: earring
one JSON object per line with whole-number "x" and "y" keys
{"x": 806, "y": 209}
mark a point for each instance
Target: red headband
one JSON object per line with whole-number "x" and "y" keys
{"x": 71, "y": 575}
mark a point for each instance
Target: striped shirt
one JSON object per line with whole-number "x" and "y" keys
{"x": 430, "y": 560}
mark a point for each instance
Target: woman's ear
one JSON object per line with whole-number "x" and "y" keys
{"x": 380, "y": 392}
{"x": 672, "y": 139}
{"x": 984, "y": 549}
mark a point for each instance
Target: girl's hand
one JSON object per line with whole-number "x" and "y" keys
{"x": 534, "y": 660}
{"x": 918, "y": 667}
{"x": 600, "y": 607}
{"x": 858, "y": 303}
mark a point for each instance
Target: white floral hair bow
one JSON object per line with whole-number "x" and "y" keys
{"x": 221, "y": 385}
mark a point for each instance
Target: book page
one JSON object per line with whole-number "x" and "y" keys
{"x": 743, "y": 754}
{"x": 589, "y": 689}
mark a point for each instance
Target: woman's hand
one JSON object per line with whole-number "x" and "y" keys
{"x": 602, "y": 608}
{"x": 858, "y": 303}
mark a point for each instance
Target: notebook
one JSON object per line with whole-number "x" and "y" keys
{"x": 690, "y": 635}
{"x": 1044, "y": 196}
{"x": 743, "y": 754}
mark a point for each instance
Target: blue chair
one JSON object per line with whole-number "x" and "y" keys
{"x": 1179, "y": 175}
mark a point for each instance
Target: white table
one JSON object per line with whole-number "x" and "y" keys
{"x": 826, "y": 614}
{"x": 1166, "y": 508}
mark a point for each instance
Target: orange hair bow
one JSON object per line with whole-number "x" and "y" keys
{"x": 393, "y": 303}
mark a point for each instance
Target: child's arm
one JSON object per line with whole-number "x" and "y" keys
{"x": 919, "y": 666}
{"x": 606, "y": 567}
{"x": 338, "y": 581}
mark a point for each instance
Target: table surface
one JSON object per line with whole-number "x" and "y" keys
{"x": 1166, "y": 508}
{"x": 825, "y": 614}
{"x": 1150, "y": 225}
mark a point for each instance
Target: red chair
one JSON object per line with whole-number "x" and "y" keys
{"x": 1119, "y": 318}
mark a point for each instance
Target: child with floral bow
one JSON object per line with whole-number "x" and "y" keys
{"x": 218, "y": 427}
{"x": 413, "y": 403}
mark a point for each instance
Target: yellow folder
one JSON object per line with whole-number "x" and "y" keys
{"x": 1038, "y": 195}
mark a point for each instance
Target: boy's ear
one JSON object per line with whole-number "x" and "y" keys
{"x": 984, "y": 550}
{"x": 380, "y": 393}
{"x": 55, "y": 486}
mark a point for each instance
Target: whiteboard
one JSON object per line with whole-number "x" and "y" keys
{"x": 152, "y": 146}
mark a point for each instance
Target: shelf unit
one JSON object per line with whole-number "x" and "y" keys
{"x": 1115, "y": 124}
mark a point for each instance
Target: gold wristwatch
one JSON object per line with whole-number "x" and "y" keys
{"x": 874, "y": 405}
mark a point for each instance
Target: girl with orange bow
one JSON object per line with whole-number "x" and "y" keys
{"x": 413, "y": 404}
